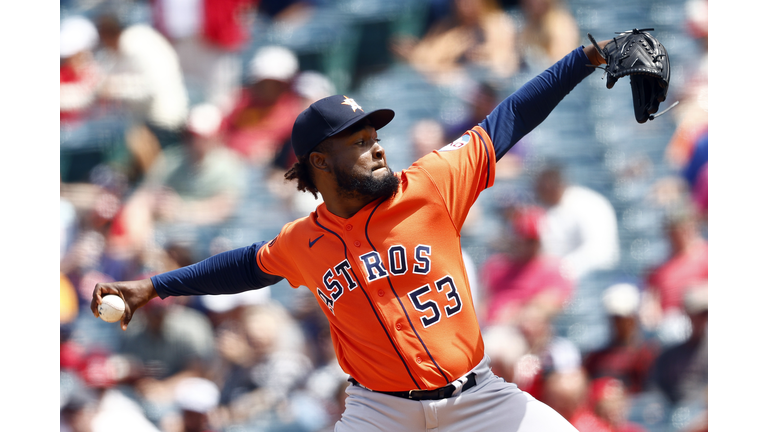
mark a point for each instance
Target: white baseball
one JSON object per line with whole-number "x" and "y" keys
{"x": 111, "y": 308}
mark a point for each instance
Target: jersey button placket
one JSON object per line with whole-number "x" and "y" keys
{"x": 418, "y": 359}
{"x": 399, "y": 326}
{"x": 348, "y": 227}
{"x": 381, "y": 293}
{"x": 357, "y": 243}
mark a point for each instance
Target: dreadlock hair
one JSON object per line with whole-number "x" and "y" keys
{"x": 302, "y": 172}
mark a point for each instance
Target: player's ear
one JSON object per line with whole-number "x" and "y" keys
{"x": 319, "y": 161}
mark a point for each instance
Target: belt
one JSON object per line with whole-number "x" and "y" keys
{"x": 436, "y": 394}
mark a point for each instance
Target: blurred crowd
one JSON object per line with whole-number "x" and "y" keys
{"x": 176, "y": 118}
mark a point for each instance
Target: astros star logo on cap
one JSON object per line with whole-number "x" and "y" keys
{"x": 351, "y": 102}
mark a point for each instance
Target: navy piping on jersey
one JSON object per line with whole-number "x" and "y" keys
{"x": 389, "y": 280}
{"x": 372, "y": 307}
{"x": 487, "y": 156}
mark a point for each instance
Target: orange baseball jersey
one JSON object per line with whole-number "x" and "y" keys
{"x": 391, "y": 278}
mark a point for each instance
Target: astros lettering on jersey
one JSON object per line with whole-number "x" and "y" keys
{"x": 391, "y": 279}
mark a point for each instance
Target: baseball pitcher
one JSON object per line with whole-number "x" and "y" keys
{"x": 382, "y": 256}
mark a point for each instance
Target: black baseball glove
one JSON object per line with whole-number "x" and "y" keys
{"x": 641, "y": 56}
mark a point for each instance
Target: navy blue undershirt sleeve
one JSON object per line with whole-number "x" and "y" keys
{"x": 530, "y": 105}
{"x": 229, "y": 272}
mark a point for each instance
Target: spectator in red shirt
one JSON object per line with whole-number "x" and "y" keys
{"x": 263, "y": 116}
{"x": 687, "y": 266}
{"x": 609, "y": 403}
{"x": 628, "y": 356}
{"x": 522, "y": 275}
{"x": 567, "y": 393}
{"x": 599, "y": 406}
{"x": 79, "y": 74}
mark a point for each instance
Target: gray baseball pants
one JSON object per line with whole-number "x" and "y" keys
{"x": 491, "y": 405}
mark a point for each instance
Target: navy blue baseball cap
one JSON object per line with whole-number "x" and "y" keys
{"x": 329, "y": 116}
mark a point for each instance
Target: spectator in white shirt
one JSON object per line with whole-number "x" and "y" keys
{"x": 580, "y": 226}
{"x": 143, "y": 71}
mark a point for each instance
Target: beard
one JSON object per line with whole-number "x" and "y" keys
{"x": 355, "y": 186}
